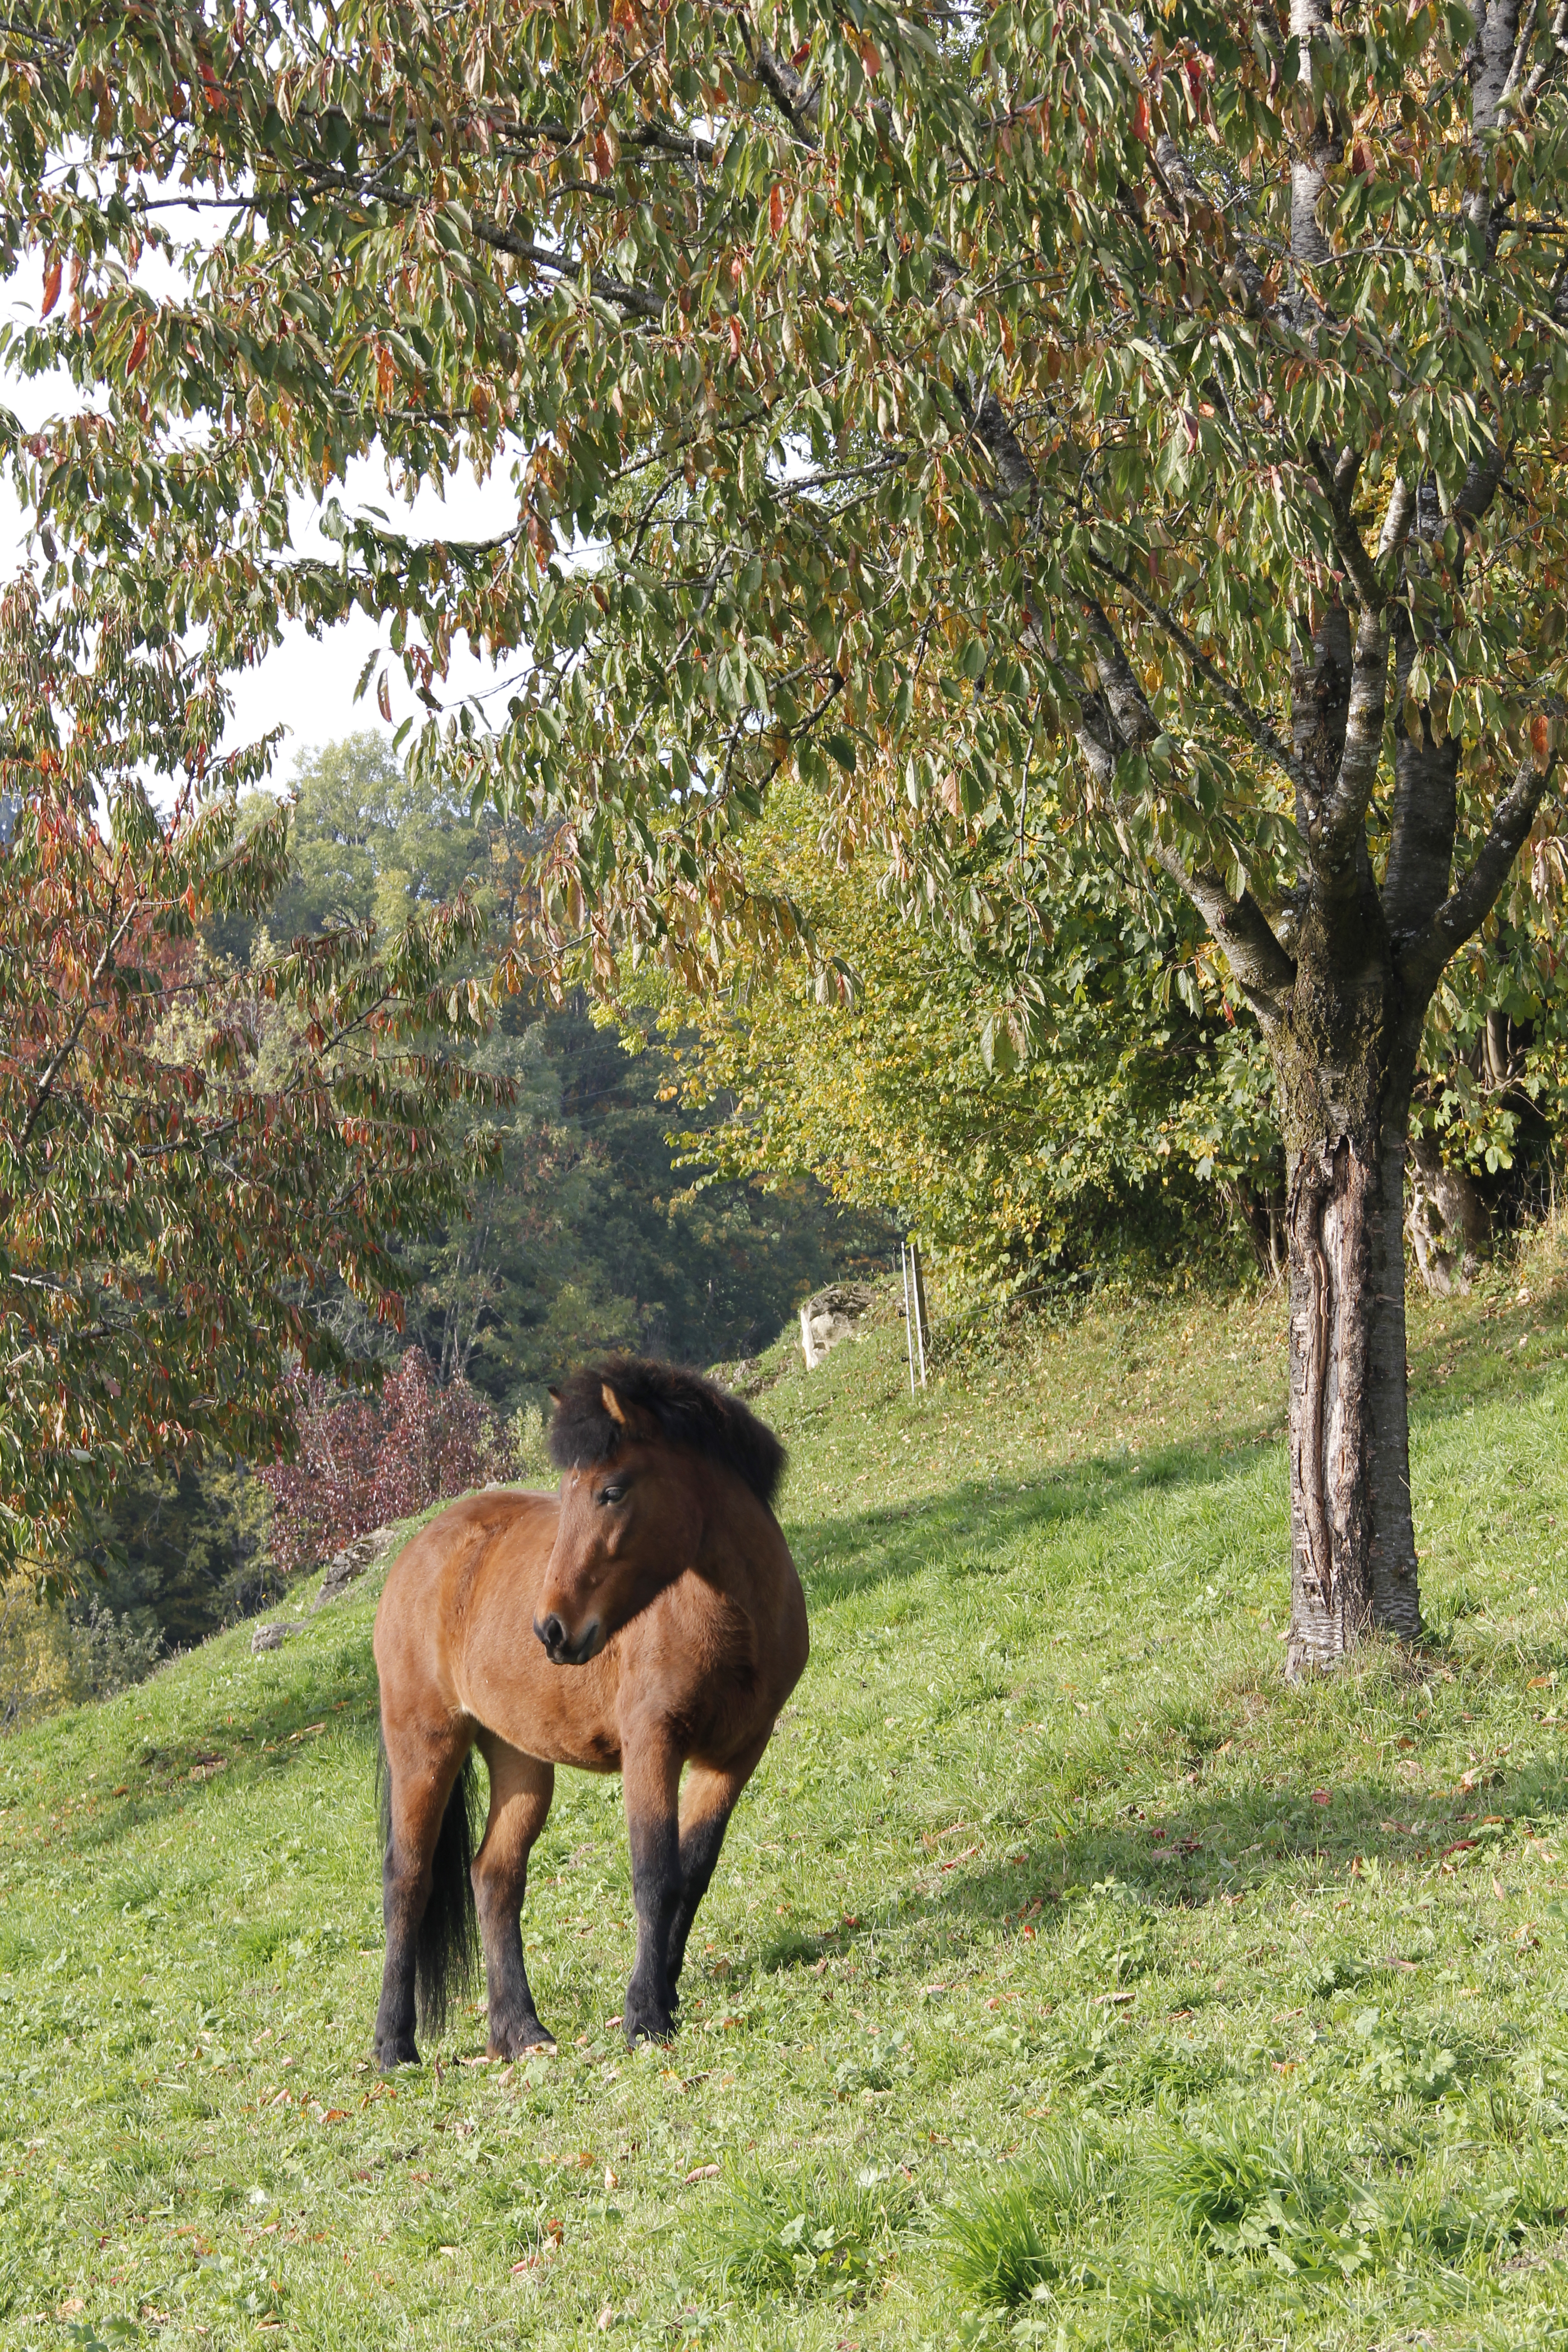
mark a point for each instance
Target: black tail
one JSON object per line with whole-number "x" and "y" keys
{"x": 447, "y": 1942}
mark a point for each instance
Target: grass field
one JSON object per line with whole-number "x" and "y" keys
{"x": 1065, "y": 1980}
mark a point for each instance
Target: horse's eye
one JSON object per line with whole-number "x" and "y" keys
{"x": 611, "y": 1494}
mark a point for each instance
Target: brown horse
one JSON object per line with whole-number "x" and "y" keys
{"x": 647, "y": 1617}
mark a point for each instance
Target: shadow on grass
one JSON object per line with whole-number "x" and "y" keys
{"x": 843, "y": 1556}
{"x": 250, "y": 1747}
{"x": 1198, "y": 1855}
{"x": 840, "y": 1557}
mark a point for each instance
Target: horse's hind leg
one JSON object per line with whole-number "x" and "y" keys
{"x": 422, "y": 1766}
{"x": 521, "y": 1790}
{"x": 706, "y": 1802}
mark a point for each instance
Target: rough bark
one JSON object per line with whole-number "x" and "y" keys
{"x": 1346, "y": 1061}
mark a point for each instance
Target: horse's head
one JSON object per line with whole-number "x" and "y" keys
{"x": 629, "y": 1520}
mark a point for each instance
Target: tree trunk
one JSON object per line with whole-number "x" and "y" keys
{"x": 1447, "y": 1220}
{"x": 1346, "y": 1069}
{"x": 1261, "y": 1216}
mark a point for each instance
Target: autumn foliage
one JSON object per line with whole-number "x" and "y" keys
{"x": 365, "y": 1460}
{"x": 193, "y": 1157}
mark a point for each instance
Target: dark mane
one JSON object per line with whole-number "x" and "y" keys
{"x": 687, "y": 1411}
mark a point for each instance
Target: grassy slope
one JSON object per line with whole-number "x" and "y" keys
{"x": 1042, "y": 1844}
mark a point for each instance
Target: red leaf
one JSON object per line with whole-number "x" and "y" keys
{"x": 1541, "y": 740}
{"x": 138, "y": 349}
{"x": 737, "y": 336}
{"x": 384, "y": 698}
{"x": 776, "y": 212}
{"x": 51, "y": 288}
{"x": 1141, "y": 121}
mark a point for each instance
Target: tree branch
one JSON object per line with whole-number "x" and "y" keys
{"x": 1469, "y": 903}
{"x": 1335, "y": 481}
{"x": 797, "y": 104}
{"x": 640, "y": 300}
{"x": 1116, "y": 718}
{"x": 1262, "y": 971}
{"x": 1260, "y": 732}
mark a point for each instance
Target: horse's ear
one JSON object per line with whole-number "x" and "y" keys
{"x": 612, "y": 1404}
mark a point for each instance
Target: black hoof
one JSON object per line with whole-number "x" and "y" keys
{"x": 646, "y": 2020}
{"x": 397, "y": 2053}
{"x": 519, "y": 2041}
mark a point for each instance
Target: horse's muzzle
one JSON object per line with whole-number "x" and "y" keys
{"x": 563, "y": 1652}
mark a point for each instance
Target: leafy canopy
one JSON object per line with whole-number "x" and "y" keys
{"x": 931, "y": 407}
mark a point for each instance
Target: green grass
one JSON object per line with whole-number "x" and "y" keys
{"x": 1066, "y": 1979}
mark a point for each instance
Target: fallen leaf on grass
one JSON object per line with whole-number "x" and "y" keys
{"x": 701, "y": 2172}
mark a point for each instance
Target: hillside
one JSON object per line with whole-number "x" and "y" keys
{"x": 1057, "y": 1950}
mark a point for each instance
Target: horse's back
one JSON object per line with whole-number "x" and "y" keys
{"x": 429, "y": 1600}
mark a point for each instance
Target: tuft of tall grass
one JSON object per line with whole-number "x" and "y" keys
{"x": 1011, "y": 2240}
{"x": 808, "y": 2235}
{"x": 1235, "y": 2186}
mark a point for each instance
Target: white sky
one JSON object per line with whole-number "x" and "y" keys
{"x": 306, "y": 684}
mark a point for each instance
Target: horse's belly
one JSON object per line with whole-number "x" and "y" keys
{"x": 563, "y": 1715}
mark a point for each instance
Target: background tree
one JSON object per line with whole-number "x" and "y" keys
{"x": 187, "y": 1159}
{"x": 363, "y": 1461}
{"x": 1022, "y": 1174}
{"x": 579, "y": 1235}
{"x": 1104, "y": 1154}
{"x": 1131, "y": 434}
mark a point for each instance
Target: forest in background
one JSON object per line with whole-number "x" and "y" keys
{"x": 584, "y": 1236}
{"x": 676, "y": 1171}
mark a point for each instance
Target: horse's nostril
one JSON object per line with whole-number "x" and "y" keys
{"x": 553, "y": 1632}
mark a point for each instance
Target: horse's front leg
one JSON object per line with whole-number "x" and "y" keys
{"x": 706, "y": 1806}
{"x": 651, "y": 1777}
